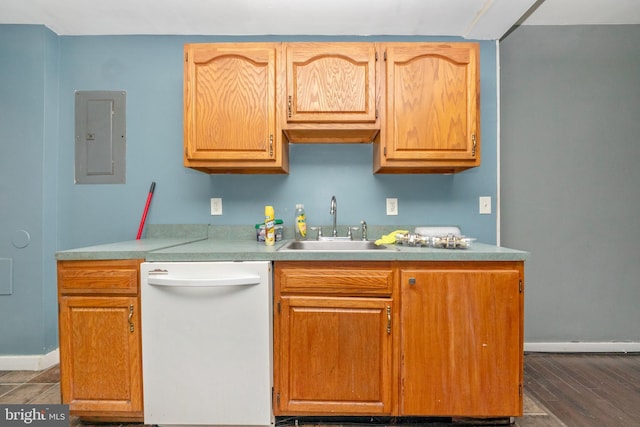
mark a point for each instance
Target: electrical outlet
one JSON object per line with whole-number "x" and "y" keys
{"x": 216, "y": 206}
{"x": 392, "y": 206}
{"x": 485, "y": 205}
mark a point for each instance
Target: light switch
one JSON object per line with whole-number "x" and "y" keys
{"x": 216, "y": 206}
{"x": 392, "y": 206}
{"x": 485, "y": 205}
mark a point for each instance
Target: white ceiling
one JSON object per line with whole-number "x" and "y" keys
{"x": 473, "y": 19}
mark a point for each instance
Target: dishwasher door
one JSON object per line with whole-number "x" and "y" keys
{"x": 207, "y": 343}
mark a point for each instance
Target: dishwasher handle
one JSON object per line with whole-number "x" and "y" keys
{"x": 205, "y": 282}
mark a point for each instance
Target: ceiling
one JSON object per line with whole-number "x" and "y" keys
{"x": 472, "y": 19}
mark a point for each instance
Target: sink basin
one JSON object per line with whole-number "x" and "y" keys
{"x": 333, "y": 245}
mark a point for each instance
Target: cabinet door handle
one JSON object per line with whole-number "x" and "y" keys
{"x": 289, "y": 102}
{"x": 388, "y": 320}
{"x": 271, "y": 145}
{"x": 473, "y": 149}
{"x": 130, "y": 318}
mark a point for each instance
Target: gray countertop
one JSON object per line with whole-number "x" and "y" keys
{"x": 228, "y": 250}
{"x": 130, "y": 249}
{"x": 201, "y": 242}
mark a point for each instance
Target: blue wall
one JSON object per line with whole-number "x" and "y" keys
{"x": 149, "y": 69}
{"x": 28, "y": 189}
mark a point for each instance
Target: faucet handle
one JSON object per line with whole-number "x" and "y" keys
{"x": 319, "y": 229}
{"x": 364, "y": 229}
{"x": 349, "y": 230}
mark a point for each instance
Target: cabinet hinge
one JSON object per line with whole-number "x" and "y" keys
{"x": 278, "y": 307}
{"x": 278, "y": 400}
{"x": 520, "y": 286}
{"x": 186, "y": 57}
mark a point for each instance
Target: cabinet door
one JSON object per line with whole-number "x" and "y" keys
{"x": 230, "y": 116}
{"x": 334, "y": 356}
{"x": 331, "y": 82}
{"x": 461, "y": 342}
{"x": 432, "y": 106}
{"x": 101, "y": 364}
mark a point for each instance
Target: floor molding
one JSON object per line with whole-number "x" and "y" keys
{"x": 31, "y": 362}
{"x": 583, "y": 347}
{"x": 39, "y": 362}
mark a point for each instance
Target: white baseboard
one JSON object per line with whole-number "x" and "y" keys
{"x": 32, "y": 362}
{"x": 39, "y": 362}
{"x": 583, "y": 347}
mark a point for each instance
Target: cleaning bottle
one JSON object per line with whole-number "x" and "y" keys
{"x": 300, "y": 223}
{"x": 269, "y": 225}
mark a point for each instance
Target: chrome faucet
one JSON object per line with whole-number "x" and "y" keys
{"x": 364, "y": 229}
{"x": 334, "y": 213}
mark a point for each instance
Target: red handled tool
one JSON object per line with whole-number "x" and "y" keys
{"x": 146, "y": 209}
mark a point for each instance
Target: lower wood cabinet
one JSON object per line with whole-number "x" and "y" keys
{"x": 394, "y": 338}
{"x": 399, "y": 338}
{"x": 100, "y": 339}
{"x": 339, "y": 355}
{"x": 461, "y": 340}
{"x": 333, "y": 338}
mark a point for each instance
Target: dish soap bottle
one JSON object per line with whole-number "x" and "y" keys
{"x": 269, "y": 226}
{"x": 300, "y": 223}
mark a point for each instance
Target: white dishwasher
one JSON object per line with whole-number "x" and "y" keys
{"x": 207, "y": 343}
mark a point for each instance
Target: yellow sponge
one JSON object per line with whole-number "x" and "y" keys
{"x": 389, "y": 239}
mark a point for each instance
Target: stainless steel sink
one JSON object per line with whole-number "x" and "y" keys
{"x": 333, "y": 245}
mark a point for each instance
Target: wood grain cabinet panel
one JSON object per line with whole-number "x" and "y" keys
{"x": 461, "y": 341}
{"x": 331, "y": 82}
{"x": 231, "y": 121}
{"x": 331, "y": 93}
{"x": 336, "y": 354}
{"x": 100, "y": 339}
{"x": 445, "y": 340}
{"x": 431, "y": 120}
{"x": 418, "y": 103}
{"x": 333, "y": 338}
{"x": 346, "y": 278}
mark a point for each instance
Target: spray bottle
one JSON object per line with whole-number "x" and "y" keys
{"x": 300, "y": 223}
{"x": 269, "y": 226}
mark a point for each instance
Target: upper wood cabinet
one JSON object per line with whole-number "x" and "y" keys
{"x": 419, "y": 103}
{"x": 231, "y": 106}
{"x": 330, "y": 92}
{"x": 431, "y": 119}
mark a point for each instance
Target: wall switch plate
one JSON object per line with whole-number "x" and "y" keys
{"x": 392, "y": 206}
{"x": 216, "y": 206}
{"x": 485, "y": 205}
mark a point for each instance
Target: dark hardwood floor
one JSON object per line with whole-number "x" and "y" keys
{"x": 586, "y": 390}
{"x": 561, "y": 390}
